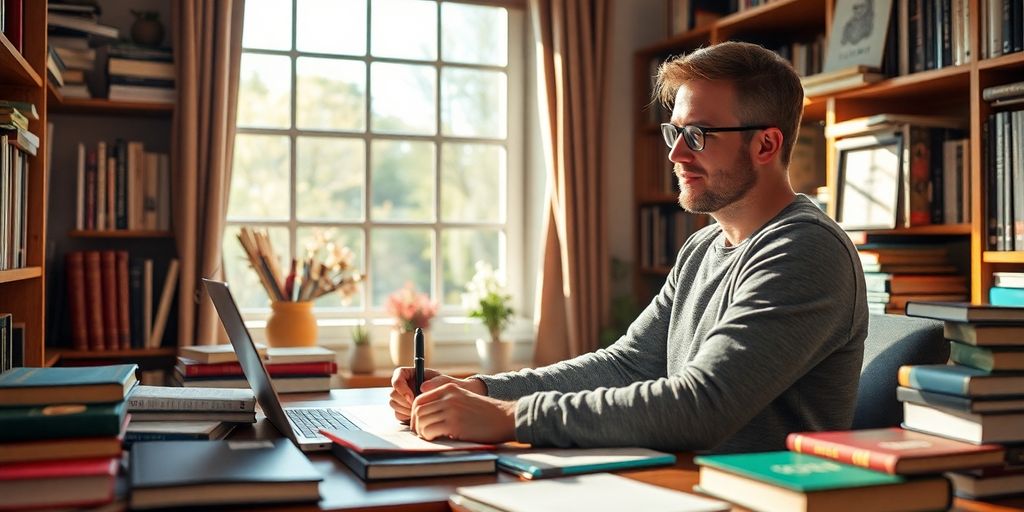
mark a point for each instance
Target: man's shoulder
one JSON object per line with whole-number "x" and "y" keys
{"x": 805, "y": 219}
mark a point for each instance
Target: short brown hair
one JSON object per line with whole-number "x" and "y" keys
{"x": 768, "y": 91}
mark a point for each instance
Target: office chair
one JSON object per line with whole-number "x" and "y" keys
{"x": 893, "y": 341}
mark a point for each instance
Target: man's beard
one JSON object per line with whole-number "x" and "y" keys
{"x": 733, "y": 185}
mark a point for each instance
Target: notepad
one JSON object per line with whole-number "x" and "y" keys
{"x": 533, "y": 464}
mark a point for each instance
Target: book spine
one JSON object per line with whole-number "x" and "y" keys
{"x": 1003, "y": 91}
{"x": 94, "y": 304}
{"x": 969, "y": 355}
{"x": 934, "y": 380}
{"x": 1001, "y": 296}
{"x": 886, "y": 463}
{"x": 36, "y": 425}
{"x": 90, "y": 189}
{"x": 108, "y": 262}
{"x": 188, "y": 404}
{"x": 120, "y": 155}
{"x": 233, "y": 369}
{"x": 124, "y": 330}
{"x": 74, "y": 267}
{"x": 135, "y": 303}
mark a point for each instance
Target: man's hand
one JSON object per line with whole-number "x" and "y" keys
{"x": 453, "y": 412}
{"x": 402, "y": 383}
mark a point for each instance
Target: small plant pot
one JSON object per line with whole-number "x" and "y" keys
{"x": 494, "y": 355}
{"x": 291, "y": 324}
{"x": 402, "y": 347}
{"x": 361, "y": 359}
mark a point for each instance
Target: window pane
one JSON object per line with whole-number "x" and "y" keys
{"x": 460, "y": 250}
{"x": 403, "y": 98}
{"x": 331, "y": 26}
{"x": 472, "y": 183}
{"x": 400, "y": 256}
{"x": 267, "y": 25}
{"x": 404, "y": 29}
{"x": 259, "y": 178}
{"x": 402, "y": 181}
{"x": 331, "y": 94}
{"x": 264, "y": 91}
{"x": 473, "y": 103}
{"x": 329, "y": 176}
{"x": 243, "y": 280}
{"x": 311, "y": 238}
{"x": 474, "y": 34}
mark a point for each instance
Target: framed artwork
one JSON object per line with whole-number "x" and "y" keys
{"x": 868, "y": 179}
{"x": 859, "y": 28}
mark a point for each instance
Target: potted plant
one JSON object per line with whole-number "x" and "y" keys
{"x": 487, "y": 300}
{"x": 361, "y": 359}
{"x": 411, "y": 310}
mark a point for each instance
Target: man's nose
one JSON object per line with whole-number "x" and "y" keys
{"x": 680, "y": 152}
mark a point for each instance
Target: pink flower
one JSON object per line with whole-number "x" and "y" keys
{"x": 410, "y": 309}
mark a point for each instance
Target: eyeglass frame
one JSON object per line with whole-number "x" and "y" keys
{"x": 703, "y": 133}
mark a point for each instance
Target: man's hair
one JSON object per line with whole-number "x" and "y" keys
{"x": 768, "y": 91}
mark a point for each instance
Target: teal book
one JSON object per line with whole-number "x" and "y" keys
{"x": 797, "y": 471}
{"x": 986, "y": 358}
{"x": 61, "y": 421}
{"x": 960, "y": 380}
{"x": 533, "y": 464}
{"x": 82, "y": 385}
{"x": 1000, "y": 296}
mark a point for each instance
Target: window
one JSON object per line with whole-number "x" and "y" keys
{"x": 392, "y": 126}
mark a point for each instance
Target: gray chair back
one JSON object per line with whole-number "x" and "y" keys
{"x": 893, "y": 341}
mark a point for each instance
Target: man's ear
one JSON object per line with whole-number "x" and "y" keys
{"x": 766, "y": 146}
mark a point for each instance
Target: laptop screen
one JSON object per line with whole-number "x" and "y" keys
{"x": 245, "y": 349}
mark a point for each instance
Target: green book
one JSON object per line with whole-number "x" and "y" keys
{"x": 797, "y": 471}
{"x": 81, "y": 385}
{"x": 61, "y": 421}
{"x": 985, "y": 358}
{"x": 555, "y": 462}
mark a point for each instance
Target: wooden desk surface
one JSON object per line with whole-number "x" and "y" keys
{"x": 342, "y": 490}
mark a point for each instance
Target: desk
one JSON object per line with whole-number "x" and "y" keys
{"x": 342, "y": 490}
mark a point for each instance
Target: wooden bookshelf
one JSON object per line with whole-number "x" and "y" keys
{"x": 112, "y": 354}
{"x": 950, "y": 91}
{"x": 98, "y": 106}
{"x": 20, "y": 274}
{"x": 121, "y": 233}
{"x": 15, "y": 69}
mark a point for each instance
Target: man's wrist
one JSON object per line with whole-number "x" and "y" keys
{"x": 476, "y": 385}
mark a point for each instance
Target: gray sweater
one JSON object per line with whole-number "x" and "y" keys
{"x": 743, "y": 345}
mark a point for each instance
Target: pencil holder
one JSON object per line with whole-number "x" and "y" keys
{"x": 291, "y": 324}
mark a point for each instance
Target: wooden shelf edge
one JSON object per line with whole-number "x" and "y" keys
{"x": 1002, "y": 256}
{"x": 66, "y": 353}
{"x": 1016, "y": 58}
{"x": 897, "y": 83}
{"x": 20, "y": 274}
{"x": 937, "y": 229}
{"x": 63, "y": 105}
{"x": 16, "y": 62}
{"x": 120, "y": 233}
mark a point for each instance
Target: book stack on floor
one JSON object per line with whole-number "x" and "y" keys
{"x": 293, "y": 369}
{"x": 979, "y": 397}
{"x": 141, "y": 74}
{"x": 61, "y": 433}
{"x": 162, "y": 413}
{"x": 895, "y": 274}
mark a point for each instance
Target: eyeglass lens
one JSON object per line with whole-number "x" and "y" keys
{"x": 693, "y": 136}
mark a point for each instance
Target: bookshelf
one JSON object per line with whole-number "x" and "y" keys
{"x": 950, "y": 91}
{"x": 22, "y": 290}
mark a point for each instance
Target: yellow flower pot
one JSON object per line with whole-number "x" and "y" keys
{"x": 291, "y": 324}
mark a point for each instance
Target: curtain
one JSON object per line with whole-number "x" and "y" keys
{"x": 207, "y": 47}
{"x": 573, "y": 290}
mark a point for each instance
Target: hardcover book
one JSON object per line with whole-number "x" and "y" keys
{"x": 984, "y": 335}
{"x": 87, "y": 384}
{"x": 960, "y": 403}
{"x": 788, "y": 481}
{"x": 165, "y": 474}
{"x": 64, "y": 448}
{"x": 972, "y": 428}
{"x": 209, "y": 354}
{"x": 164, "y": 398}
{"x": 59, "y": 483}
{"x": 532, "y": 464}
{"x": 966, "y": 312}
{"x": 960, "y": 380}
{"x": 60, "y": 421}
{"x": 895, "y": 451}
{"x": 383, "y": 466}
{"x": 987, "y": 359}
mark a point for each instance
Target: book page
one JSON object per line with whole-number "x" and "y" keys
{"x": 564, "y": 458}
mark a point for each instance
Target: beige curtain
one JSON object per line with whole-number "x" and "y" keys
{"x": 571, "y": 57}
{"x": 207, "y": 47}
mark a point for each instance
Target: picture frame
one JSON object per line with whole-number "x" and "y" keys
{"x": 859, "y": 29}
{"x": 868, "y": 178}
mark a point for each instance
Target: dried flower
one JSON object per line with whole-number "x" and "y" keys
{"x": 410, "y": 308}
{"x": 486, "y": 299}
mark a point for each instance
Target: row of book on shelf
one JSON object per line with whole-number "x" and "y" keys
{"x": 1004, "y": 153}
{"x": 12, "y": 342}
{"x": 122, "y": 186}
{"x": 17, "y": 145}
{"x": 110, "y": 300}
{"x": 85, "y": 60}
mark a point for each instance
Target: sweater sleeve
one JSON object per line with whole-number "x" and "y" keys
{"x": 788, "y": 313}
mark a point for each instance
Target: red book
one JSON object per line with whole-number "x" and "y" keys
{"x": 190, "y": 368}
{"x": 895, "y": 451}
{"x": 74, "y": 268}
{"x": 94, "y": 300}
{"x": 124, "y": 329}
{"x": 59, "y": 483}
{"x": 108, "y": 269}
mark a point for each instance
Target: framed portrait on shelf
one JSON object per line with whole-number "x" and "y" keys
{"x": 868, "y": 181}
{"x": 859, "y": 28}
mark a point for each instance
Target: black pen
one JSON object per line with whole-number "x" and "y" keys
{"x": 418, "y": 361}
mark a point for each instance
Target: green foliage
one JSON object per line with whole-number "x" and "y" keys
{"x": 360, "y": 335}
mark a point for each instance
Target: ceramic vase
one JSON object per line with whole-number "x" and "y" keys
{"x": 291, "y": 324}
{"x": 361, "y": 359}
{"x": 402, "y": 347}
{"x": 494, "y": 355}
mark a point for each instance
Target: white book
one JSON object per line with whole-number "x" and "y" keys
{"x": 972, "y": 428}
{"x": 286, "y": 355}
{"x": 166, "y": 398}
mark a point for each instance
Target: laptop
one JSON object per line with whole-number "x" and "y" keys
{"x": 300, "y": 424}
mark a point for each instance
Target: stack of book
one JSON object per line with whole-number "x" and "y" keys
{"x": 977, "y": 397}
{"x": 17, "y": 144}
{"x": 293, "y": 369}
{"x": 141, "y": 74}
{"x": 895, "y": 274}
{"x": 821, "y": 84}
{"x": 73, "y": 29}
{"x": 110, "y": 297}
{"x": 162, "y": 413}
{"x": 61, "y": 431}
{"x": 1007, "y": 289}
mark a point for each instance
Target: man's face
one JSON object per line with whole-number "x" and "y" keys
{"x": 722, "y": 173}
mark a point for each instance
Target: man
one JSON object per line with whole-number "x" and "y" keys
{"x": 759, "y": 329}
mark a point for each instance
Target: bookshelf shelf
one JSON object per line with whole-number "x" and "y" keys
{"x": 111, "y": 354}
{"x": 59, "y": 104}
{"x": 1013, "y": 61}
{"x": 14, "y": 69}
{"x": 937, "y": 229}
{"x": 788, "y": 15}
{"x": 121, "y": 233}
{"x": 20, "y": 274}
{"x": 1003, "y": 256}
{"x": 954, "y": 80}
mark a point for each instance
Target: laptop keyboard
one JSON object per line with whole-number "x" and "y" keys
{"x": 308, "y": 422}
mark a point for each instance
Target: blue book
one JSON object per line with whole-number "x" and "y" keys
{"x": 532, "y": 464}
{"x": 999, "y": 296}
{"x": 960, "y": 380}
{"x": 82, "y": 385}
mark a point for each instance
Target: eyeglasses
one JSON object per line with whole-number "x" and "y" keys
{"x": 694, "y": 135}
